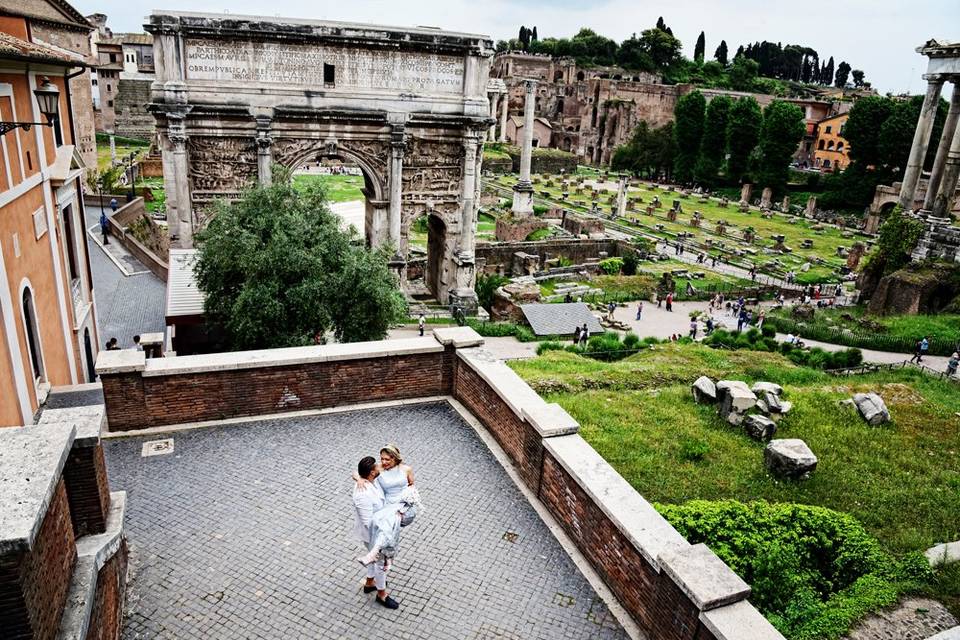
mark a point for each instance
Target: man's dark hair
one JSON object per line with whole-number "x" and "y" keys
{"x": 366, "y": 466}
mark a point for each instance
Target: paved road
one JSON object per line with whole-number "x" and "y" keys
{"x": 245, "y": 531}
{"x": 127, "y": 305}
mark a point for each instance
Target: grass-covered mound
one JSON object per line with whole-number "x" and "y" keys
{"x": 754, "y": 340}
{"x": 814, "y": 571}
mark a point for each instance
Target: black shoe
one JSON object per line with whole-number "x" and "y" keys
{"x": 389, "y": 603}
{"x": 367, "y": 589}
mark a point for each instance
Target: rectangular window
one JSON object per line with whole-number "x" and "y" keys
{"x": 109, "y": 103}
{"x": 113, "y": 57}
{"x": 829, "y": 128}
{"x": 329, "y": 74}
{"x": 108, "y": 88}
{"x": 94, "y": 81}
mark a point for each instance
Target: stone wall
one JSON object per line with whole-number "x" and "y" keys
{"x": 498, "y": 257}
{"x": 152, "y": 249}
{"x": 673, "y": 590}
{"x": 510, "y": 229}
{"x": 132, "y": 118}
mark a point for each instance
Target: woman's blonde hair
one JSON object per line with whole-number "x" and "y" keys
{"x": 392, "y": 451}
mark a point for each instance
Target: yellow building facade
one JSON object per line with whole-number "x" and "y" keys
{"x": 831, "y": 149}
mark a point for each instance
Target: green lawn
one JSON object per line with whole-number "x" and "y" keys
{"x": 159, "y": 203}
{"x": 339, "y": 188}
{"x": 902, "y": 481}
{"x": 103, "y": 153}
{"x": 825, "y": 241}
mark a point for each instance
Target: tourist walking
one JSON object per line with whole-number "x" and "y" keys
{"x": 952, "y": 364}
{"x": 421, "y": 323}
{"x": 761, "y": 318}
{"x": 922, "y": 347}
{"x": 670, "y": 301}
{"x": 693, "y": 328}
{"x": 104, "y": 227}
{"x": 741, "y": 319}
{"x": 639, "y": 309}
{"x": 584, "y": 335}
{"x": 576, "y": 336}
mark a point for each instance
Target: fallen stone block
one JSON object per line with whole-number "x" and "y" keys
{"x": 704, "y": 390}
{"x": 741, "y": 398}
{"x": 872, "y": 408}
{"x": 760, "y": 387}
{"x": 789, "y": 458}
{"x": 759, "y": 427}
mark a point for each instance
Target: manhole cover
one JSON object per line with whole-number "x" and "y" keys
{"x": 157, "y": 448}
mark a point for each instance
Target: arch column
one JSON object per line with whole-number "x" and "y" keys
{"x": 504, "y": 110}
{"x": 921, "y": 138}
{"x": 264, "y": 152}
{"x": 951, "y": 173}
{"x": 180, "y": 213}
{"x": 492, "y": 132}
{"x": 397, "y": 150}
{"x": 943, "y": 148}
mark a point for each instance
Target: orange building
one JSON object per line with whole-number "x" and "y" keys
{"x": 48, "y": 334}
{"x": 831, "y": 149}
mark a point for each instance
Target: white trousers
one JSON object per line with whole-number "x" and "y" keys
{"x": 376, "y": 571}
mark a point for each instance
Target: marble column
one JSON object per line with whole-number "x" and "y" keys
{"x": 951, "y": 172}
{"x": 468, "y": 211}
{"x": 397, "y": 147}
{"x": 182, "y": 210}
{"x": 921, "y": 138}
{"x": 526, "y": 151}
{"x": 939, "y": 163}
{"x": 264, "y": 158}
{"x": 492, "y": 133}
{"x": 504, "y": 111}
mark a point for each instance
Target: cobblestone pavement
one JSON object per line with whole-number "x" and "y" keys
{"x": 912, "y": 619}
{"x": 245, "y": 531}
{"x": 126, "y": 305}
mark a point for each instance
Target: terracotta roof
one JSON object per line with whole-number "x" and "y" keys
{"x": 55, "y": 11}
{"x": 133, "y": 38}
{"x": 518, "y": 121}
{"x": 17, "y": 49}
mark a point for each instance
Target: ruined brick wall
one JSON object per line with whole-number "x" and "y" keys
{"x": 106, "y": 619}
{"x": 517, "y": 230}
{"x": 499, "y": 256}
{"x": 34, "y": 584}
{"x": 132, "y": 118}
{"x": 135, "y": 401}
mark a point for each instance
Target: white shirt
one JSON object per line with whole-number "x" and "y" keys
{"x": 366, "y": 502}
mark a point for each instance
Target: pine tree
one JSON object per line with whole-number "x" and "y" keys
{"x": 660, "y": 24}
{"x": 740, "y": 51}
{"x": 713, "y": 144}
{"x": 721, "y": 53}
{"x": 699, "y": 48}
{"x": 843, "y": 72}
{"x": 826, "y": 78}
{"x": 688, "y": 131}
{"x": 533, "y": 36}
{"x": 743, "y": 132}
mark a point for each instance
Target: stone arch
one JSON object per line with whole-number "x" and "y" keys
{"x": 374, "y": 177}
{"x": 580, "y": 76}
{"x": 839, "y": 146}
{"x": 557, "y": 76}
{"x": 436, "y": 240}
{"x": 821, "y": 144}
{"x": 31, "y": 330}
{"x": 830, "y": 146}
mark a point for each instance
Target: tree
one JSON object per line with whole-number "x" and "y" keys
{"x": 843, "y": 72}
{"x": 863, "y": 127}
{"x": 633, "y": 55}
{"x": 895, "y": 137}
{"x": 898, "y": 237}
{"x": 781, "y": 132}
{"x": 276, "y": 270}
{"x": 743, "y": 133}
{"x": 661, "y": 24}
{"x": 720, "y": 55}
{"x": 533, "y": 35}
{"x": 662, "y": 48}
{"x": 523, "y": 37}
{"x": 687, "y": 132}
{"x": 826, "y": 75}
{"x": 743, "y": 72}
{"x": 699, "y": 48}
{"x": 857, "y": 78}
{"x": 713, "y": 143}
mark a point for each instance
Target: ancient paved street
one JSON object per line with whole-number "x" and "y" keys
{"x": 246, "y": 532}
{"x": 127, "y": 305}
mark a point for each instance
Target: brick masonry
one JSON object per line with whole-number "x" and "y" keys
{"x": 88, "y": 491}
{"x": 137, "y": 402}
{"x": 34, "y": 584}
{"x": 107, "y": 617}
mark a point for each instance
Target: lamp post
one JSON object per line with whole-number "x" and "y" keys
{"x": 48, "y": 98}
{"x": 132, "y": 175}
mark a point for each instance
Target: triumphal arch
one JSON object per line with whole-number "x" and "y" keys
{"x": 235, "y": 95}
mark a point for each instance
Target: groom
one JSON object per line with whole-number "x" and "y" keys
{"x": 367, "y": 500}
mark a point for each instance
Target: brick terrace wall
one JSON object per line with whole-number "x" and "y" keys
{"x": 34, "y": 584}
{"x": 88, "y": 491}
{"x": 107, "y": 618}
{"x": 499, "y": 254}
{"x": 517, "y": 438}
{"x": 136, "y": 401}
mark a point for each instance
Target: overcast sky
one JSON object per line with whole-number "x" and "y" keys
{"x": 878, "y": 36}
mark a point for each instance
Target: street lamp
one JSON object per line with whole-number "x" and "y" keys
{"x": 48, "y": 98}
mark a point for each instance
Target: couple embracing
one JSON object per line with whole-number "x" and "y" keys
{"x": 385, "y": 499}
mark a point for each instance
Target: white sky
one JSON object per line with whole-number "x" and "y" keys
{"x": 878, "y": 36}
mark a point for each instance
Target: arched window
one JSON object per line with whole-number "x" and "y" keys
{"x": 826, "y": 164}
{"x": 820, "y": 145}
{"x": 580, "y": 76}
{"x": 33, "y": 334}
{"x": 830, "y": 146}
{"x": 839, "y": 146}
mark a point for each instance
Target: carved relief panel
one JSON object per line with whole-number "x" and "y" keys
{"x": 220, "y": 167}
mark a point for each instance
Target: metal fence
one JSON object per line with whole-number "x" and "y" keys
{"x": 863, "y": 339}
{"x": 874, "y": 367}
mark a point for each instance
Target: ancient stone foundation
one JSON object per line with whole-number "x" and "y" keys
{"x": 671, "y": 589}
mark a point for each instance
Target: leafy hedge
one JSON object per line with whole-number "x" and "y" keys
{"x": 814, "y": 571}
{"x": 815, "y": 358}
{"x": 502, "y": 329}
{"x": 606, "y": 346}
{"x": 939, "y": 345}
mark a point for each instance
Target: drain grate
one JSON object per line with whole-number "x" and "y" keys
{"x": 510, "y": 536}
{"x": 157, "y": 448}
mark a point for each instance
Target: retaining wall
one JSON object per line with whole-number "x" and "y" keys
{"x": 672, "y": 589}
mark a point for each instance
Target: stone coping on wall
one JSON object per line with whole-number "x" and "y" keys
{"x": 459, "y": 337}
{"x": 705, "y": 578}
{"x": 739, "y": 621}
{"x": 31, "y": 463}
{"x": 89, "y": 422}
{"x": 129, "y": 360}
{"x": 93, "y": 552}
{"x": 636, "y": 518}
{"x": 549, "y": 420}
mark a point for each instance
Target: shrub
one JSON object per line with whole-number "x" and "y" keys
{"x": 630, "y": 263}
{"x": 814, "y": 571}
{"x": 631, "y": 340}
{"x": 693, "y": 450}
{"x": 611, "y": 266}
{"x": 815, "y": 358}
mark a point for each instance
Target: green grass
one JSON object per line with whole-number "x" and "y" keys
{"x": 902, "y": 481}
{"x": 123, "y": 150}
{"x": 339, "y": 188}
{"x": 159, "y": 203}
{"x": 826, "y": 241}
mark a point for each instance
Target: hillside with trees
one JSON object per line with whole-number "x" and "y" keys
{"x": 761, "y": 67}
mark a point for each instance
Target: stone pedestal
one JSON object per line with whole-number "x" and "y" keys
{"x": 522, "y": 200}
{"x": 811, "y": 207}
{"x": 745, "y": 192}
{"x": 766, "y": 198}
